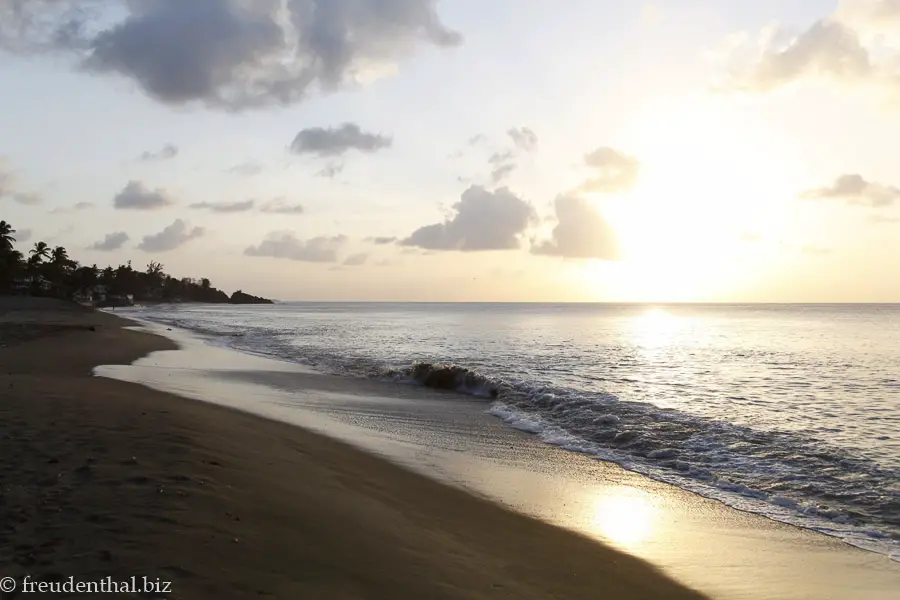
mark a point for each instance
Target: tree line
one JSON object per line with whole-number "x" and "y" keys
{"x": 47, "y": 271}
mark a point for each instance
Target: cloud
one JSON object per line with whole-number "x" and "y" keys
{"x": 501, "y": 172}
{"x": 524, "y": 138}
{"x": 335, "y": 141}
{"x": 580, "y": 232}
{"x": 854, "y": 189}
{"x": 354, "y": 260}
{"x": 280, "y": 207}
{"x": 28, "y": 198}
{"x": 135, "y": 195}
{"x": 331, "y": 170}
{"x": 68, "y": 209}
{"x": 23, "y": 235}
{"x": 827, "y": 48}
{"x": 169, "y": 151}
{"x": 231, "y": 54}
{"x": 476, "y": 139}
{"x": 175, "y": 235}
{"x": 815, "y": 250}
{"x": 247, "y": 169}
{"x": 482, "y": 220}
{"x": 615, "y": 171}
{"x": 284, "y": 244}
{"x": 381, "y": 241}
{"x": 112, "y": 241}
{"x": 883, "y": 219}
{"x": 225, "y": 207}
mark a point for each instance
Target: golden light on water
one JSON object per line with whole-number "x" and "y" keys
{"x": 655, "y": 328}
{"x": 624, "y": 516}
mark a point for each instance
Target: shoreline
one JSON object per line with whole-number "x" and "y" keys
{"x": 720, "y": 550}
{"x": 108, "y": 478}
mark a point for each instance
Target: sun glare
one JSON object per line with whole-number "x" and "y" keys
{"x": 700, "y": 189}
{"x": 624, "y": 516}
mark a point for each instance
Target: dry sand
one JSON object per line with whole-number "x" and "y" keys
{"x": 106, "y": 478}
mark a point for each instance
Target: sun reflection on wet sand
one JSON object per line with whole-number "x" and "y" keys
{"x": 625, "y": 516}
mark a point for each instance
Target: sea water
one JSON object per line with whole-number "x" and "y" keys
{"x": 791, "y": 411}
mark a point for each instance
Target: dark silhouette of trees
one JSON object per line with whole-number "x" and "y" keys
{"x": 51, "y": 272}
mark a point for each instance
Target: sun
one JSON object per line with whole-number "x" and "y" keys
{"x": 706, "y": 178}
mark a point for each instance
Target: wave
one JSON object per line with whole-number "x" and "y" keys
{"x": 789, "y": 476}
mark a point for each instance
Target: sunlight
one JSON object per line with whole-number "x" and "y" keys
{"x": 701, "y": 187}
{"x": 625, "y": 516}
{"x": 655, "y": 328}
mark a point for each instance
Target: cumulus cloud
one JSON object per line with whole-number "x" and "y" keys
{"x": 284, "y": 244}
{"x": 482, "y": 220}
{"x": 167, "y": 152}
{"x": 23, "y": 235}
{"x": 501, "y": 172}
{"x": 175, "y": 235}
{"x": 232, "y": 54}
{"x": 9, "y": 189}
{"x": 247, "y": 169}
{"x": 524, "y": 138}
{"x": 112, "y": 241}
{"x": 580, "y": 232}
{"x": 855, "y": 189}
{"x": 614, "y": 171}
{"x": 135, "y": 195}
{"x": 828, "y": 48}
{"x": 76, "y": 207}
{"x": 279, "y": 207}
{"x": 225, "y": 207}
{"x": 335, "y": 141}
{"x": 354, "y": 260}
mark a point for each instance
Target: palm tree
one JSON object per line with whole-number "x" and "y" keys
{"x": 6, "y": 238}
{"x": 59, "y": 257}
{"x": 40, "y": 252}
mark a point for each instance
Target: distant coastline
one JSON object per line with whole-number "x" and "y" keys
{"x": 50, "y": 272}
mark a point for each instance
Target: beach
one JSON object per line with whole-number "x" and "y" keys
{"x": 104, "y": 478}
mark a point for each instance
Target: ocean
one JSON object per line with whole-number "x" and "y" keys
{"x": 789, "y": 411}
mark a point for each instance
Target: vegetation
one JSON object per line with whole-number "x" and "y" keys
{"x": 50, "y": 272}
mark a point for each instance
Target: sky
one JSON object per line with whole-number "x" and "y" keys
{"x": 459, "y": 150}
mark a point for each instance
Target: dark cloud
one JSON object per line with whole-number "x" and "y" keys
{"x": 284, "y": 244}
{"x": 854, "y": 189}
{"x": 355, "y": 260}
{"x": 482, "y": 220}
{"x": 227, "y": 53}
{"x": 335, "y": 141}
{"x": 524, "y": 138}
{"x": 280, "y": 207}
{"x": 614, "y": 171}
{"x": 580, "y": 232}
{"x": 175, "y": 235}
{"x": 168, "y": 152}
{"x": 225, "y": 207}
{"x": 247, "y": 169}
{"x": 135, "y": 195}
{"x": 112, "y": 241}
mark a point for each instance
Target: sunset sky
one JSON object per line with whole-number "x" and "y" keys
{"x": 512, "y": 150}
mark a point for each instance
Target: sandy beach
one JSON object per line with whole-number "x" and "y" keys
{"x": 105, "y": 478}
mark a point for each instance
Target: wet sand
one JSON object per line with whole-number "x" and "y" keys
{"x": 103, "y": 478}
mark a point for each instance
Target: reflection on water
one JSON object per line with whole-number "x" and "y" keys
{"x": 625, "y": 516}
{"x": 654, "y": 328}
